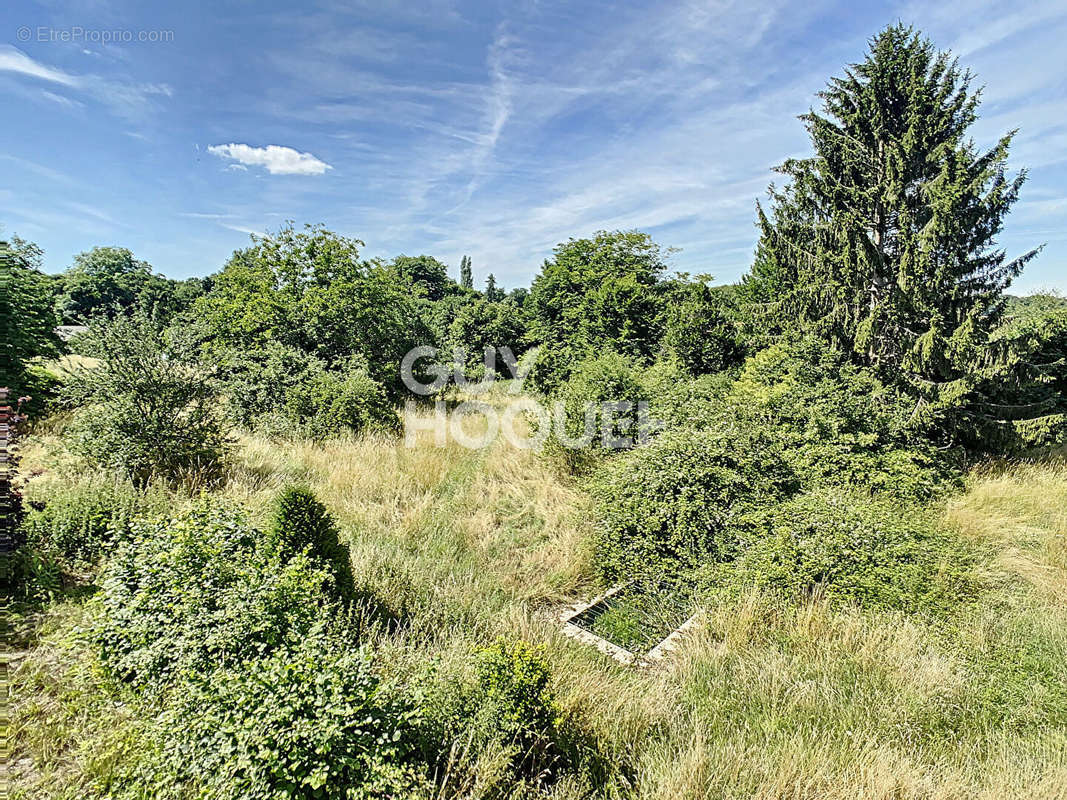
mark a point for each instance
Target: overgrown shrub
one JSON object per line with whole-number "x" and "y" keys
{"x": 678, "y": 401}
{"x": 301, "y": 524}
{"x": 838, "y": 424}
{"x": 79, "y": 522}
{"x": 857, "y": 550}
{"x": 702, "y": 332}
{"x": 329, "y": 404}
{"x": 679, "y": 500}
{"x": 599, "y": 406}
{"x": 514, "y": 680}
{"x": 151, "y": 409}
{"x": 494, "y": 726}
{"x": 310, "y": 721}
{"x": 200, "y": 591}
{"x": 257, "y": 380}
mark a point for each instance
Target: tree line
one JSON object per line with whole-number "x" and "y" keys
{"x": 881, "y": 245}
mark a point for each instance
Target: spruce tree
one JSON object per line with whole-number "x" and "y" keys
{"x": 884, "y": 240}
{"x": 466, "y": 277}
{"x": 491, "y": 292}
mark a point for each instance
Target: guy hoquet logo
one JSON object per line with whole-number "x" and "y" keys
{"x": 425, "y": 374}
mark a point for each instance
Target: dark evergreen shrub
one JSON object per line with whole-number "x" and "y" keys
{"x": 301, "y": 524}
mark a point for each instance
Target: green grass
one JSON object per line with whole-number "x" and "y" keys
{"x": 640, "y": 617}
{"x": 768, "y": 698}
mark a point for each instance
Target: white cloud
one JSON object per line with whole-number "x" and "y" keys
{"x": 277, "y": 159}
{"x": 243, "y": 229}
{"x": 127, "y": 99}
{"x": 14, "y": 60}
{"x": 63, "y": 101}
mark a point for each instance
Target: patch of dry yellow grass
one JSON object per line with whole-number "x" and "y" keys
{"x": 1021, "y": 513}
{"x": 765, "y": 700}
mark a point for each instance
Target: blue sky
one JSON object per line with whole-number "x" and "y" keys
{"x": 495, "y": 130}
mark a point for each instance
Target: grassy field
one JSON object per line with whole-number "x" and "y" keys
{"x": 766, "y": 700}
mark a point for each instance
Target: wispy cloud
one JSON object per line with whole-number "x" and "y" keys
{"x": 124, "y": 97}
{"x": 61, "y": 100}
{"x": 14, "y": 60}
{"x": 277, "y": 159}
{"x": 242, "y": 229}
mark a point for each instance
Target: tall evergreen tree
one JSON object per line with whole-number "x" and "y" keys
{"x": 883, "y": 241}
{"x": 466, "y": 277}
{"x": 492, "y": 293}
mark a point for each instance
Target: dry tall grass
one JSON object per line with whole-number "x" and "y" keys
{"x": 768, "y": 699}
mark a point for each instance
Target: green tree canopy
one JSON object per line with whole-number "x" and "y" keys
{"x": 466, "y": 276}
{"x": 493, "y": 293}
{"x": 701, "y": 330}
{"x": 426, "y": 274}
{"x": 595, "y": 293}
{"x": 310, "y": 289}
{"x": 27, "y": 318}
{"x": 110, "y": 281}
{"x": 483, "y": 323}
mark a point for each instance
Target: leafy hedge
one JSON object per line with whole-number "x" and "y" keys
{"x": 678, "y": 501}
{"x": 502, "y": 711}
{"x": 309, "y": 721}
{"x": 856, "y": 550}
{"x": 199, "y": 591}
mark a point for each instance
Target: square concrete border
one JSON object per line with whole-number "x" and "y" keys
{"x": 652, "y": 658}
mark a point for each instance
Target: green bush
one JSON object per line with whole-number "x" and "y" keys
{"x": 514, "y": 682}
{"x": 582, "y": 408}
{"x": 199, "y": 591}
{"x": 151, "y": 409}
{"x": 838, "y": 424}
{"x": 257, "y": 380}
{"x": 301, "y": 524}
{"x": 311, "y": 721}
{"x": 78, "y": 523}
{"x": 702, "y": 332}
{"x": 857, "y": 550}
{"x": 329, "y": 404}
{"x": 678, "y": 501}
{"x": 682, "y": 402}
{"x": 502, "y": 713}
